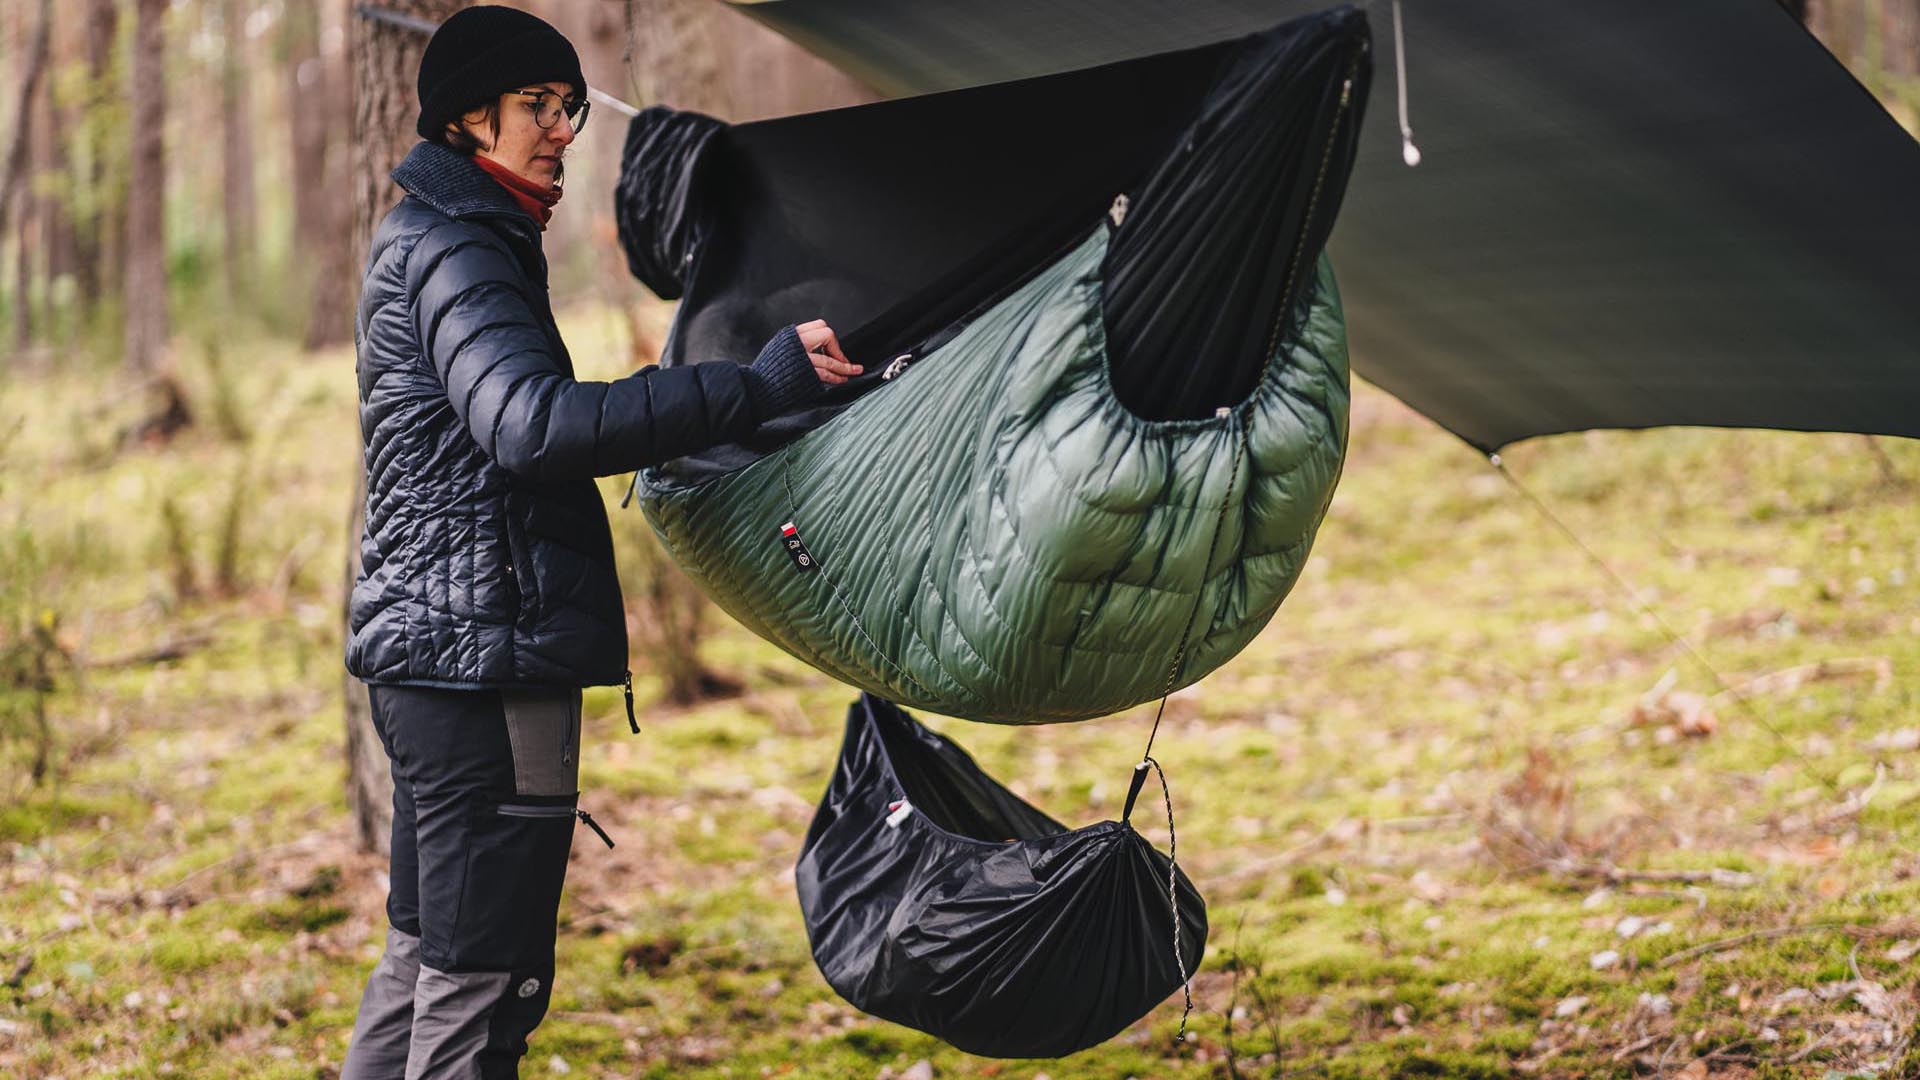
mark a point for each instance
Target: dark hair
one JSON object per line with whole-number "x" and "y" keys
{"x": 459, "y": 138}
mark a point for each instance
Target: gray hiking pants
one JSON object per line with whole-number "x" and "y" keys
{"x": 485, "y": 786}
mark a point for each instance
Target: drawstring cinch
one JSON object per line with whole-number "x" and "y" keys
{"x": 1408, "y": 152}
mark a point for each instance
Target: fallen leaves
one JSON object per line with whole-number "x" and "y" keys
{"x": 1673, "y": 714}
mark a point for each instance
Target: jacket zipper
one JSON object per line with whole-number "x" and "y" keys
{"x": 519, "y": 810}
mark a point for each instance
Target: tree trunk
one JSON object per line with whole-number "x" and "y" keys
{"x": 1900, "y": 37}
{"x": 677, "y": 51}
{"x": 330, "y": 320}
{"x": 385, "y": 63}
{"x": 35, "y": 72}
{"x": 24, "y": 165}
{"x": 1841, "y": 25}
{"x": 236, "y": 148}
{"x": 61, "y": 116}
{"x": 146, "y": 265}
{"x": 95, "y": 245}
{"x": 675, "y": 56}
{"x": 27, "y": 220}
{"x": 317, "y": 126}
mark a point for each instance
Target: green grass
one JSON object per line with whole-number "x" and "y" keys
{"x": 1402, "y": 801}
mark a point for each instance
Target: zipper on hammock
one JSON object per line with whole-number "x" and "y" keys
{"x": 1313, "y": 200}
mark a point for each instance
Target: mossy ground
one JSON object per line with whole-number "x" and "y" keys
{"x": 1421, "y": 805}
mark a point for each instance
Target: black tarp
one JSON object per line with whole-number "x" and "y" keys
{"x": 1630, "y": 212}
{"x": 938, "y": 899}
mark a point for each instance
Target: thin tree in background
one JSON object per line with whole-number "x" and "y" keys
{"x": 25, "y": 166}
{"x": 236, "y": 147}
{"x": 318, "y": 117}
{"x": 384, "y": 61}
{"x": 99, "y": 222}
{"x": 16, "y": 198}
{"x": 63, "y": 116}
{"x": 146, "y": 256}
{"x": 306, "y": 85}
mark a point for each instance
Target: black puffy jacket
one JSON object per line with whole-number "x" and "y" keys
{"x": 486, "y": 558}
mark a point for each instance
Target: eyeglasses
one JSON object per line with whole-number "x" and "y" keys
{"x": 548, "y": 106}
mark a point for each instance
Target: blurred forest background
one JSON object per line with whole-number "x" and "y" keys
{"x": 184, "y": 171}
{"x": 1495, "y": 879}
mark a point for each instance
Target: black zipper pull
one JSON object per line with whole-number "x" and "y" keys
{"x": 595, "y": 826}
{"x": 627, "y": 685}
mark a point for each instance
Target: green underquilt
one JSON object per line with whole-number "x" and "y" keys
{"x": 999, "y": 539}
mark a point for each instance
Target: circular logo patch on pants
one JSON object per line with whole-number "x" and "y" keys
{"x": 529, "y": 988}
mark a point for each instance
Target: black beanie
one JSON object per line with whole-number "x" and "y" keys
{"x": 480, "y": 53}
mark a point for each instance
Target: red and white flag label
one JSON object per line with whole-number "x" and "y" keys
{"x": 797, "y": 551}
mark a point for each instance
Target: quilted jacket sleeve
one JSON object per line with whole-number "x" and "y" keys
{"x": 479, "y": 327}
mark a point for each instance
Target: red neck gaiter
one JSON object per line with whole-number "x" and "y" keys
{"x": 533, "y": 198}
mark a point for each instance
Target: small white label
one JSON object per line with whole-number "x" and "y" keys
{"x": 898, "y": 812}
{"x": 529, "y": 988}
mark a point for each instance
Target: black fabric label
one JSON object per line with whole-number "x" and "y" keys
{"x": 797, "y": 551}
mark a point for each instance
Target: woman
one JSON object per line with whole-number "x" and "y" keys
{"x": 487, "y": 596}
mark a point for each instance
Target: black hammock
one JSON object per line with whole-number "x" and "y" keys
{"x": 937, "y": 899}
{"x": 957, "y": 198}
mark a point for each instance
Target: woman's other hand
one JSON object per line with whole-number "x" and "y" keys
{"x": 823, "y": 348}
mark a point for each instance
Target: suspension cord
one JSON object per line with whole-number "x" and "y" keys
{"x": 1146, "y": 756}
{"x": 1173, "y": 899}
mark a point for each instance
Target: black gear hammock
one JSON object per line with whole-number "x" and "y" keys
{"x": 938, "y": 899}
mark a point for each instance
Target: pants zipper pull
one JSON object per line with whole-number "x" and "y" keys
{"x": 591, "y": 824}
{"x": 627, "y": 685}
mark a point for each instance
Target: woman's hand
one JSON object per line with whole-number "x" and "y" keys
{"x": 823, "y": 348}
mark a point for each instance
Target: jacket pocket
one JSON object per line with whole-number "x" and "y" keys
{"x": 520, "y": 564}
{"x": 556, "y": 524}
